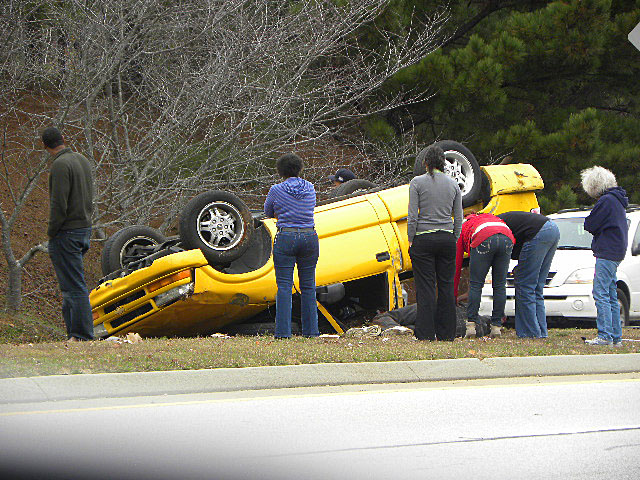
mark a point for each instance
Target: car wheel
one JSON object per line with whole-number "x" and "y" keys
{"x": 623, "y": 301}
{"x": 219, "y": 224}
{"x": 462, "y": 166}
{"x": 123, "y": 247}
{"x": 357, "y": 185}
{"x": 485, "y": 189}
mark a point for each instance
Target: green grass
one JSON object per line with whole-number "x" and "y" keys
{"x": 161, "y": 354}
{"x": 28, "y": 328}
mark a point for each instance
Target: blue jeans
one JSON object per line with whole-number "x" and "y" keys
{"x": 530, "y": 277}
{"x": 67, "y": 250}
{"x": 606, "y": 298}
{"x": 289, "y": 249}
{"x": 494, "y": 252}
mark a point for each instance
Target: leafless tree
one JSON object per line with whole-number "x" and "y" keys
{"x": 172, "y": 98}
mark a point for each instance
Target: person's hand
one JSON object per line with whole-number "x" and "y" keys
{"x": 462, "y": 298}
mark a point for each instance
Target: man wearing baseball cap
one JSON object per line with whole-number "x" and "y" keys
{"x": 341, "y": 176}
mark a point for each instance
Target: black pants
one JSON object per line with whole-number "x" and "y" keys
{"x": 433, "y": 256}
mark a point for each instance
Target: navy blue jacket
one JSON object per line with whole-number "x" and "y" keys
{"x": 607, "y": 222}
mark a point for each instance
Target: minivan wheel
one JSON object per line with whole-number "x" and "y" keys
{"x": 219, "y": 224}
{"x": 124, "y": 246}
{"x": 623, "y": 301}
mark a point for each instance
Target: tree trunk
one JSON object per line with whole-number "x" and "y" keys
{"x": 14, "y": 290}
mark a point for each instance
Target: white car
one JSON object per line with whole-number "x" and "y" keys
{"x": 567, "y": 294}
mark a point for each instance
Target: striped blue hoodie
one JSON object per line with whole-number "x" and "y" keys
{"x": 291, "y": 202}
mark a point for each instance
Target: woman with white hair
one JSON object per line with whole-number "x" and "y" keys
{"x": 607, "y": 222}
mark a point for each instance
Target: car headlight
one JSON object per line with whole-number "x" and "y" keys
{"x": 582, "y": 275}
{"x": 100, "y": 331}
{"x": 174, "y": 295}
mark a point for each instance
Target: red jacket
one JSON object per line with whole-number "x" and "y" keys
{"x": 475, "y": 230}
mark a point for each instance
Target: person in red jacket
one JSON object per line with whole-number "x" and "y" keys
{"x": 489, "y": 242}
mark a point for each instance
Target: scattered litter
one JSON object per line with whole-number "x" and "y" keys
{"x": 220, "y": 335}
{"x": 397, "y": 330}
{"x": 358, "y": 332}
{"x": 329, "y": 335}
{"x": 132, "y": 338}
{"x": 129, "y": 338}
{"x": 385, "y": 339}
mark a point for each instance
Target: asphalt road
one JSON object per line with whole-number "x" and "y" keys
{"x": 551, "y": 427}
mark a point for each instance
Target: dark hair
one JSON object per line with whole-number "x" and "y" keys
{"x": 433, "y": 159}
{"x": 52, "y": 138}
{"x": 289, "y": 165}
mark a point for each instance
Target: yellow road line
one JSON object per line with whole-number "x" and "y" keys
{"x": 317, "y": 395}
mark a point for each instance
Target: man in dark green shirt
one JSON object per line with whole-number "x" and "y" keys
{"x": 71, "y": 205}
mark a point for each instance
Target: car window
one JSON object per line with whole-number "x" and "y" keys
{"x": 572, "y": 234}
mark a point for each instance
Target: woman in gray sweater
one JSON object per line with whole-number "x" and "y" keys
{"x": 434, "y": 198}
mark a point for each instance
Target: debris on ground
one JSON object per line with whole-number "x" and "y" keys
{"x": 128, "y": 338}
{"x": 358, "y": 332}
{"x": 220, "y": 335}
{"x": 397, "y": 330}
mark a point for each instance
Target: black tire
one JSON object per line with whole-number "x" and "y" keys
{"x": 352, "y": 186}
{"x": 224, "y": 212}
{"x": 462, "y": 166}
{"x": 623, "y": 301}
{"x": 120, "y": 248}
{"x": 485, "y": 190}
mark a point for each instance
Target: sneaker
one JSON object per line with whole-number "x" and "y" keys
{"x": 496, "y": 331}
{"x": 598, "y": 341}
{"x": 471, "y": 330}
{"x": 617, "y": 343}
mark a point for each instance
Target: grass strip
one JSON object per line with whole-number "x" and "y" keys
{"x": 162, "y": 354}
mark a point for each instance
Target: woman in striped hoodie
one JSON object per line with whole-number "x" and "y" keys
{"x": 292, "y": 203}
{"x": 489, "y": 242}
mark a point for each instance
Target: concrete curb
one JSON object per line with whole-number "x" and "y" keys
{"x": 110, "y": 385}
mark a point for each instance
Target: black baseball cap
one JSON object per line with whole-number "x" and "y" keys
{"x": 342, "y": 175}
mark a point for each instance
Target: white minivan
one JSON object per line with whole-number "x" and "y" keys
{"x": 567, "y": 293}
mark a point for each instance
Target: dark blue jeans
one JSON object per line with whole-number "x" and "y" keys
{"x": 67, "y": 250}
{"x": 494, "y": 253}
{"x": 433, "y": 257}
{"x": 530, "y": 277}
{"x": 289, "y": 249}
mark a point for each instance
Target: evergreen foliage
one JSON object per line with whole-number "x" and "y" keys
{"x": 552, "y": 83}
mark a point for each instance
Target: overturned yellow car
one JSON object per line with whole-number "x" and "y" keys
{"x": 220, "y": 270}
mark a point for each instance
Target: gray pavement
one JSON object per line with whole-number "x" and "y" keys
{"x": 111, "y": 385}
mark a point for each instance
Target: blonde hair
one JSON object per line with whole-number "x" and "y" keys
{"x": 596, "y": 180}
